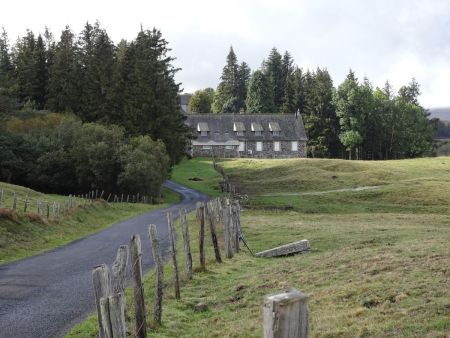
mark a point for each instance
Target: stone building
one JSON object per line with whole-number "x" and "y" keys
{"x": 248, "y": 135}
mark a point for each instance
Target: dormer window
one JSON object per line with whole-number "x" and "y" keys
{"x": 274, "y": 127}
{"x": 257, "y": 128}
{"x": 202, "y": 128}
{"x": 239, "y": 128}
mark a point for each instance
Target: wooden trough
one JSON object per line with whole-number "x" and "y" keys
{"x": 287, "y": 249}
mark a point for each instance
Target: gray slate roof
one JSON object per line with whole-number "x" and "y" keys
{"x": 221, "y": 127}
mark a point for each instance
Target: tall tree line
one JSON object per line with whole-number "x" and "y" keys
{"x": 130, "y": 84}
{"x": 353, "y": 120}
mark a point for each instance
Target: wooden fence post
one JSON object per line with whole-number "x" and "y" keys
{"x": 159, "y": 283}
{"x": 25, "y": 207}
{"x": 286, "y": 315}
{"x": 102, "y": 289}
{"x": 109, "y": 196}
{"x": 14, "y": 206}
{"x": 227, "y": 231}
{"x": 119, "y": 269}
{"x": 136, "y": 267}
{"x": 236, "y": 225}
{"x": 48, "y": 210}
{"x": 201, "y": 241}
{"x": 117, "y": 315}
{"x": 1, "y": 197}
{"x": 212, "y": 227}
{"x": 187, "y": 244}
{"x": 176, "y": 278}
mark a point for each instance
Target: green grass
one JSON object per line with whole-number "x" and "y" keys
{"x": 198, "y": 168}
{"x": 23, "y": 235}
{"x": 380, "y": 272}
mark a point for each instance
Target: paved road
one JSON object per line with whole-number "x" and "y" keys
{"x": 45, "y": 295}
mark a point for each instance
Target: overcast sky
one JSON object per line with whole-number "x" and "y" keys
{"x": 381, "y": 39}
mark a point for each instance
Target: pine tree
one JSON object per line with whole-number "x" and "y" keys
{"x": 151, "y": 101}
{"x": 64, "y": 75}
{"x": 7, "y": 77}
{"x": 259, "y": 95}
{"x": 273, "y": 70}
{"x": 244, "y": 73}
{"x": 227, "y": 98}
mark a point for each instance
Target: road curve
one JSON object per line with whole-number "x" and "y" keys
{"x": 45, "y": 295}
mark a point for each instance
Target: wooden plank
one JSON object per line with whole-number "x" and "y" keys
{"x": 159, "y": 283}
{"x": 287, "y": 249}
{"x": 286, "y": 315}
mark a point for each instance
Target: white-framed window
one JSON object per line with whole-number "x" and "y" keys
{"x": 241, "y": 146}
{"x": 258, "y": 133}
{"x": 239, "y": 133}
{"x": 276, "y": 133}
{"x": 207, "y": 147}
{"x": 276, "y": 146}
{"x": 228, "y": 147}
{"x": 203, "y": 133}
{"x": 259, "y": 146}
{"x": 294, "y": 146}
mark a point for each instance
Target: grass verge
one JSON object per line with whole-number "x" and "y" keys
{"x": 25, "y": 235}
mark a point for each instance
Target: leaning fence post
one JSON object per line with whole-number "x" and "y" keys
{"x": 187, "y": 244}
{"x": 136, "y": 267}
{"x": 119, "y": 269}
{"x": 102, "y": 289}
{"x": 1, "y": 197}
{"x": 176, "y": 278}
{"x": 212, "y": 227}
{"x": 201, "y": 241}
{"x": 286, "y": 315}
{"x": 159, "y": 287}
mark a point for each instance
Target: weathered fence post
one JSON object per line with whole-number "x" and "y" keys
{"x": 48, "y": 210}
{"x": 286, "y": 315}
{"x": 109, "y": 196}
{"x": 176, "y": 277}
{"x": 101, "y": 195}
{"x": 1, "y": 197}
{"x": 119, "y": 269}
{"x": 159, "y": 283}
{"x": 187, "y": 244}
{"x": 25, "y": 206}
{"x": 236, "y": 226}
{"x": 212, "y": 227}
{"x": 102, "y": 289}
{"x": 139, "y": 305}
{"x": 201, "y": 240}
{"x": 117, "y": 315}
{"x": 14, "y": 206}
{"x": 227, "y": 219}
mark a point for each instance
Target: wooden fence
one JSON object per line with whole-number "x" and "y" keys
{"x": 222, "y": 217}
{"x": 57, "y": 209}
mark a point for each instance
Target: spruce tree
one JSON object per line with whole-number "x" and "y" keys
{"x": 7, "y": 77}
{"x": 244, "y": 73}
{"x": 273, "y": 70}
{"x": 259, "y": 95}
{"x": 226, "y": 98}
{"x": 64, "y": 92}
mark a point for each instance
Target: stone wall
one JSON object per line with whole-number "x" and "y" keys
{"x": 267, "y": 150}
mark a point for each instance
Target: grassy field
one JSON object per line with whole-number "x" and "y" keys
{"x": 198, "y": 174}
{"x": 381, "y": 272}
{"x": 23, "y": 235}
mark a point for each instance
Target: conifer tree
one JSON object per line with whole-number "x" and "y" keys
{"x": 64, "y": 92}
{"x": 244, "y": 73}
{"x": 259, "y": 94}
{"x": 273, "y": 70}
{"x": 226, "y": 98}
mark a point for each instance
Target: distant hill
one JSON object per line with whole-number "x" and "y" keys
{"x": 442, "y": 113}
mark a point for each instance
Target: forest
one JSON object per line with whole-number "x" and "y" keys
{"x": 83, "y": 113}
{"x": 353, "y": 120}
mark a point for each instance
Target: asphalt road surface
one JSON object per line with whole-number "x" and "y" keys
{"x": 45, "y": 295}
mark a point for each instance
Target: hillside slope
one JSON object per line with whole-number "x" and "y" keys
{"x": 23, "y": 234}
